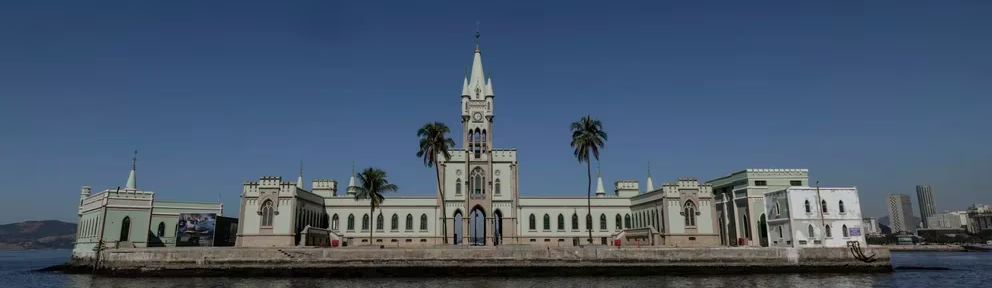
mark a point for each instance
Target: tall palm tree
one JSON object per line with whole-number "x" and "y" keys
{"x": 434, "y": 143}
{"x": 588, "y": 137}
{"x": 371, "y": 185}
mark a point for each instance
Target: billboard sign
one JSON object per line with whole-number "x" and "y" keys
{"x": 196, "y": 229}
{"x": 854, "y": 231}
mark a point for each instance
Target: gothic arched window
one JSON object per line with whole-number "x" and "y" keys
{"x": 575, "y": 221}
{"x": 823, "y": 205}
{"x": 161, "y": 229}
{"x": 808, "y": 209}
{"x": 394, "y": 223}
{"x": 626, "y": 221}
{"x": 589, "y": 222}
{"x": 840, "y": 205}
{"x": 351, "y": 222}
{"x": 778, "y": 209}
{"x": 809, "y": 232}
{"x": 547, "y": 222}
{"x": 365, "y": 222}
{"x": 844, "y": 232}
{"x": 477, "y": 180}
{"x": 125, "y": 229}
{"x": 497, "y": 187}
{"x": 409, "y": 222}
{"x": 379, "y": 222}
{"x": 602, "y": 222}
{"x": 690, "y": 213}
{"x": 267, "y": 211}
{"x": 423, "y": 222}
{"x": 533, "y": 222}
{"x": 619, "y": 222}
{"x": 458, "y": 186}
{"x": 334, "y": 222}
{"x": 827, "y": 231}
{"x": 780, "y": 232}
{"x": 561, "y": 222}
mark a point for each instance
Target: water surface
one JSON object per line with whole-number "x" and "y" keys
{"x": 968, "y": 270}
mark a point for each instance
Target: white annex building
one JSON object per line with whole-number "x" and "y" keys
{"x": 814, "y": 217}
{"x": 482, "y": 200}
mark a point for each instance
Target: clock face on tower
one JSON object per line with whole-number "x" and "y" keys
{"x": 477, "y": 116}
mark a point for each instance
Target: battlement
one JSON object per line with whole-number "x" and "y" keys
{"x": 324, "y": 184}
{"x": 685, "y": 182}
{"x": 626, "y": 188}
{"x": 626, "y": 185}
{"x": 270, "y": 181}
{"x": 778, "y": 170}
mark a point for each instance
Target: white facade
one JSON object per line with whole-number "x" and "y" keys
{"x": 804, "y": 217}
{"x": 947, "y": 220}
{"x": 482, "y": 201}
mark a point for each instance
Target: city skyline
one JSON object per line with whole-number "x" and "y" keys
{"x": 215, "y": 96}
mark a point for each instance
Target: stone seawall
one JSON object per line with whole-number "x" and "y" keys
{"x": 503, "y": 261}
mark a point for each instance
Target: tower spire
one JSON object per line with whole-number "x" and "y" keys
{"x": 650, "y": 183}
{"x": 351, "y": 182}
{"x": 600, "y": 192}
{"x": 132, "y": 178}
{"x": 299, "y": 179}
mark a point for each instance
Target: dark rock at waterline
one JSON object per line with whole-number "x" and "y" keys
{"x": 921, "y": 268}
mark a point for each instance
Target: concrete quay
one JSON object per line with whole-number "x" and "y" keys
{"x": 504, "y": 261}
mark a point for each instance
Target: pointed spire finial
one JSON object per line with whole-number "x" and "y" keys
{"x": 352, "y": 168}
{"x": 301, "y": 168}
{"x": 599, "y": 170}
{"x": 649, "y": 168}
{"x": 477, "y": 34}
{"x": 134, "y": 160}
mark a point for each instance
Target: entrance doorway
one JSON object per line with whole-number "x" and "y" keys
{"x": 497, "y": 227}
{"x": 458, "y": 228}
{"x": 477, "y": 223}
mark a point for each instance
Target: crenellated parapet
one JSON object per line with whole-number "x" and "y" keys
{"x": 325, "y": 187}
{"x": 626, "y": 188}
{"x": 270, "y": 181}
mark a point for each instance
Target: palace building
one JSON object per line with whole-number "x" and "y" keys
{"x": 482, "y": 200}
{"x": 129, "y": 217}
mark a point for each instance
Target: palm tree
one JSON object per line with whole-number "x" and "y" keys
{"x": 588, "y": 136}
{"x": 372, "y": 184}
{"x": 432, "y": 144}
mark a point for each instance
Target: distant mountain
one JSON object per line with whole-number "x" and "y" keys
{"x": 48, "y": 234}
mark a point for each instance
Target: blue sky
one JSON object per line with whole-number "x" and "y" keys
{"x": 882, "y": 95}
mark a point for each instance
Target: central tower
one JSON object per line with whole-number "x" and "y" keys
{"x": 477, "y": 108}
{"x": 477, "y": 132}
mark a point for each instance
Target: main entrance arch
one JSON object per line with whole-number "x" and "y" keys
{"x": 477, "y": 237}
{"x": 458, "y": 227}
{"x": 497, "y": 227}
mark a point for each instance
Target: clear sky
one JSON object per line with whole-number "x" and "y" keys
{"x": 882, "y": 95}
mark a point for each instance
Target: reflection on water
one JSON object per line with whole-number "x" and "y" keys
{"x": 968, "y": 270}
{"x": 793, "y": 280}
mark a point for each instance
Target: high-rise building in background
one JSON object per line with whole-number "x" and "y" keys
{"x": 900, "y": 213}
{"x": 924, "y": 196}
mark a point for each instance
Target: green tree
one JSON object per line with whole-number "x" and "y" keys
{"x": 587, "y": 138}
{"x": 372, "y": 183}
{"x": 433, "y": 143}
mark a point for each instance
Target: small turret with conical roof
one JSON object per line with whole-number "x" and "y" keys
{"x": 351, "y": 182}
{"x": 650, "y": 183}
{"x": 600, "y": 192}
{"x": 132, "y": 181}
